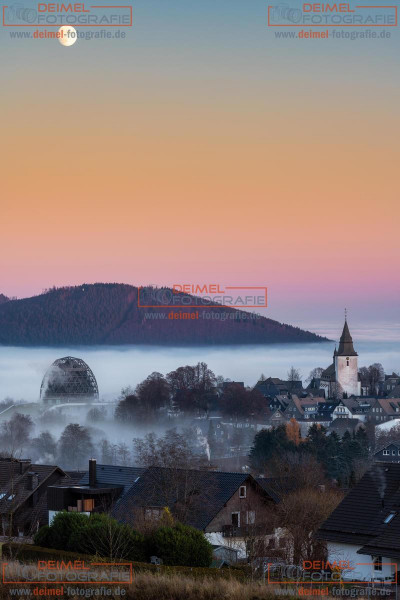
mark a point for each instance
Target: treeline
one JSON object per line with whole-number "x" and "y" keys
{"x": 109, "y": 314}
{"x": 280, "y": 451}
{"x": 191, "y": 390}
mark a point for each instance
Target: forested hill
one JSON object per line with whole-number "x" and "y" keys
{"x": 109, "y": 314}
{"x": 3, "y": 298}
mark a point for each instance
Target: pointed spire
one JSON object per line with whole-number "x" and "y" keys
{"x": 346, "y": 347}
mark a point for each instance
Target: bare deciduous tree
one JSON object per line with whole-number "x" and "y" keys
{"x": 301, "y": 513}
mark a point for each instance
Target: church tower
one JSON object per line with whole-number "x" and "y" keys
{"x": 346, "y": 364}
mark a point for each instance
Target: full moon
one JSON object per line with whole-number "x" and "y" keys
{"x": 68, "y": 35}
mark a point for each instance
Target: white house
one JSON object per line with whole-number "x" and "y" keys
{"x": 365, "y": 528}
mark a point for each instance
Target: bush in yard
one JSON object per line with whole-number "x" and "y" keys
{"x": 63, "y": 528}
{"x": 106, "y": 537}
{"x": 180, "y": 545}
{"x": 97, "y": 534}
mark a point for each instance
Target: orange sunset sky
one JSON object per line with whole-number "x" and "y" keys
{"x": 203, "y": 149}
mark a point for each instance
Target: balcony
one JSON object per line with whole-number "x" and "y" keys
{"x": 243, "y": 532}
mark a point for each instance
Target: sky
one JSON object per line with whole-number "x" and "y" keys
{"x": 202, "y": 148}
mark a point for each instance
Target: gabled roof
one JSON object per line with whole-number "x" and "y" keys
{"x": 359, "y": 518}
{"x": 16, "y": 488}
{"x": 392, "y": 376}
{"x": 395, "y": 444}
{"x": 389, "y": 405}
{"x": 207, "y": 491}
{"x": 350, "y": 403}
{"x": 276, "y": 487}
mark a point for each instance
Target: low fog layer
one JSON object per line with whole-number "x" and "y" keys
{"x": 22, "y": 369}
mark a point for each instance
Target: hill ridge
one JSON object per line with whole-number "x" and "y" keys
{"x": 108, "y": 314}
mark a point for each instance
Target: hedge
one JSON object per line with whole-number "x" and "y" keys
{"x": 30, "y": 552}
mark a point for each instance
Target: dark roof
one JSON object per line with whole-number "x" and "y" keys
{"x": 359, "y": 518}
{"x": 328, "y": 406}
{"x": 72, "y": 478}
{"x": 387, "y": 543}
{"x": 114, "y": 475}
{"x": 350, "y": 403}
{"x": 206, "y": 491}
{"x": 329, "y": 372}
{"x": 395, "y": 444}
{"x": 346, "y": 347}
{"x": 276, "y": 487}
{"x": 16, "y": 486}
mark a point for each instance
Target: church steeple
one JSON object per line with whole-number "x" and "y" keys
{"x": 346, "y": 347}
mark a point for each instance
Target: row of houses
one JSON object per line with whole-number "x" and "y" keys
{"x": 348, "y": 414}
{"x": 231, "y": 509}
{"x": 228, "y": 507}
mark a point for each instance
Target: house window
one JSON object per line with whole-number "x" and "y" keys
{"x": 242, "y": 491}
{"x": 378, "y": 563}
{"x": 11, "y": 497}
{"x": 393, "y": 452}
{"x": 250, "y": 517}
{"x": 385, "y": 452}
{"x": 235, "y": 519}
{"x": 2, "y": 495}
{"x": 151, "y": 514}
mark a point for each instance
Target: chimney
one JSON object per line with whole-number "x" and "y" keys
{"x": 33, "y": 480}
{"x": 24, "y": 464}
{"x": 92, "y": 472}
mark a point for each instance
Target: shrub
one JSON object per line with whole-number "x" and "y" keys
{"x": 106, "y": 537}
{"x": 97, "y": 534}
{"x": 103, "y": 536}
{"x": 181, "y": 545}
{"x": 63, "y": 531}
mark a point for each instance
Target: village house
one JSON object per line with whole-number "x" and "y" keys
{"x": 274, "y": 386}
{"x": 23, "y": 495}
{"x": 230, "y": 508}
{"x": 388, "y": 453}
{"x": 391, "y": 386}
{"x": 383, "y": 409}
{"x": 97, "y": 490}
{"x": 365, "y": 528}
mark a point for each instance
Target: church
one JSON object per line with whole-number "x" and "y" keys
{"x": 341, "y": 378}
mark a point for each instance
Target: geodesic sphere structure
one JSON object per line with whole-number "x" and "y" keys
{"x": 69, "y": 379}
